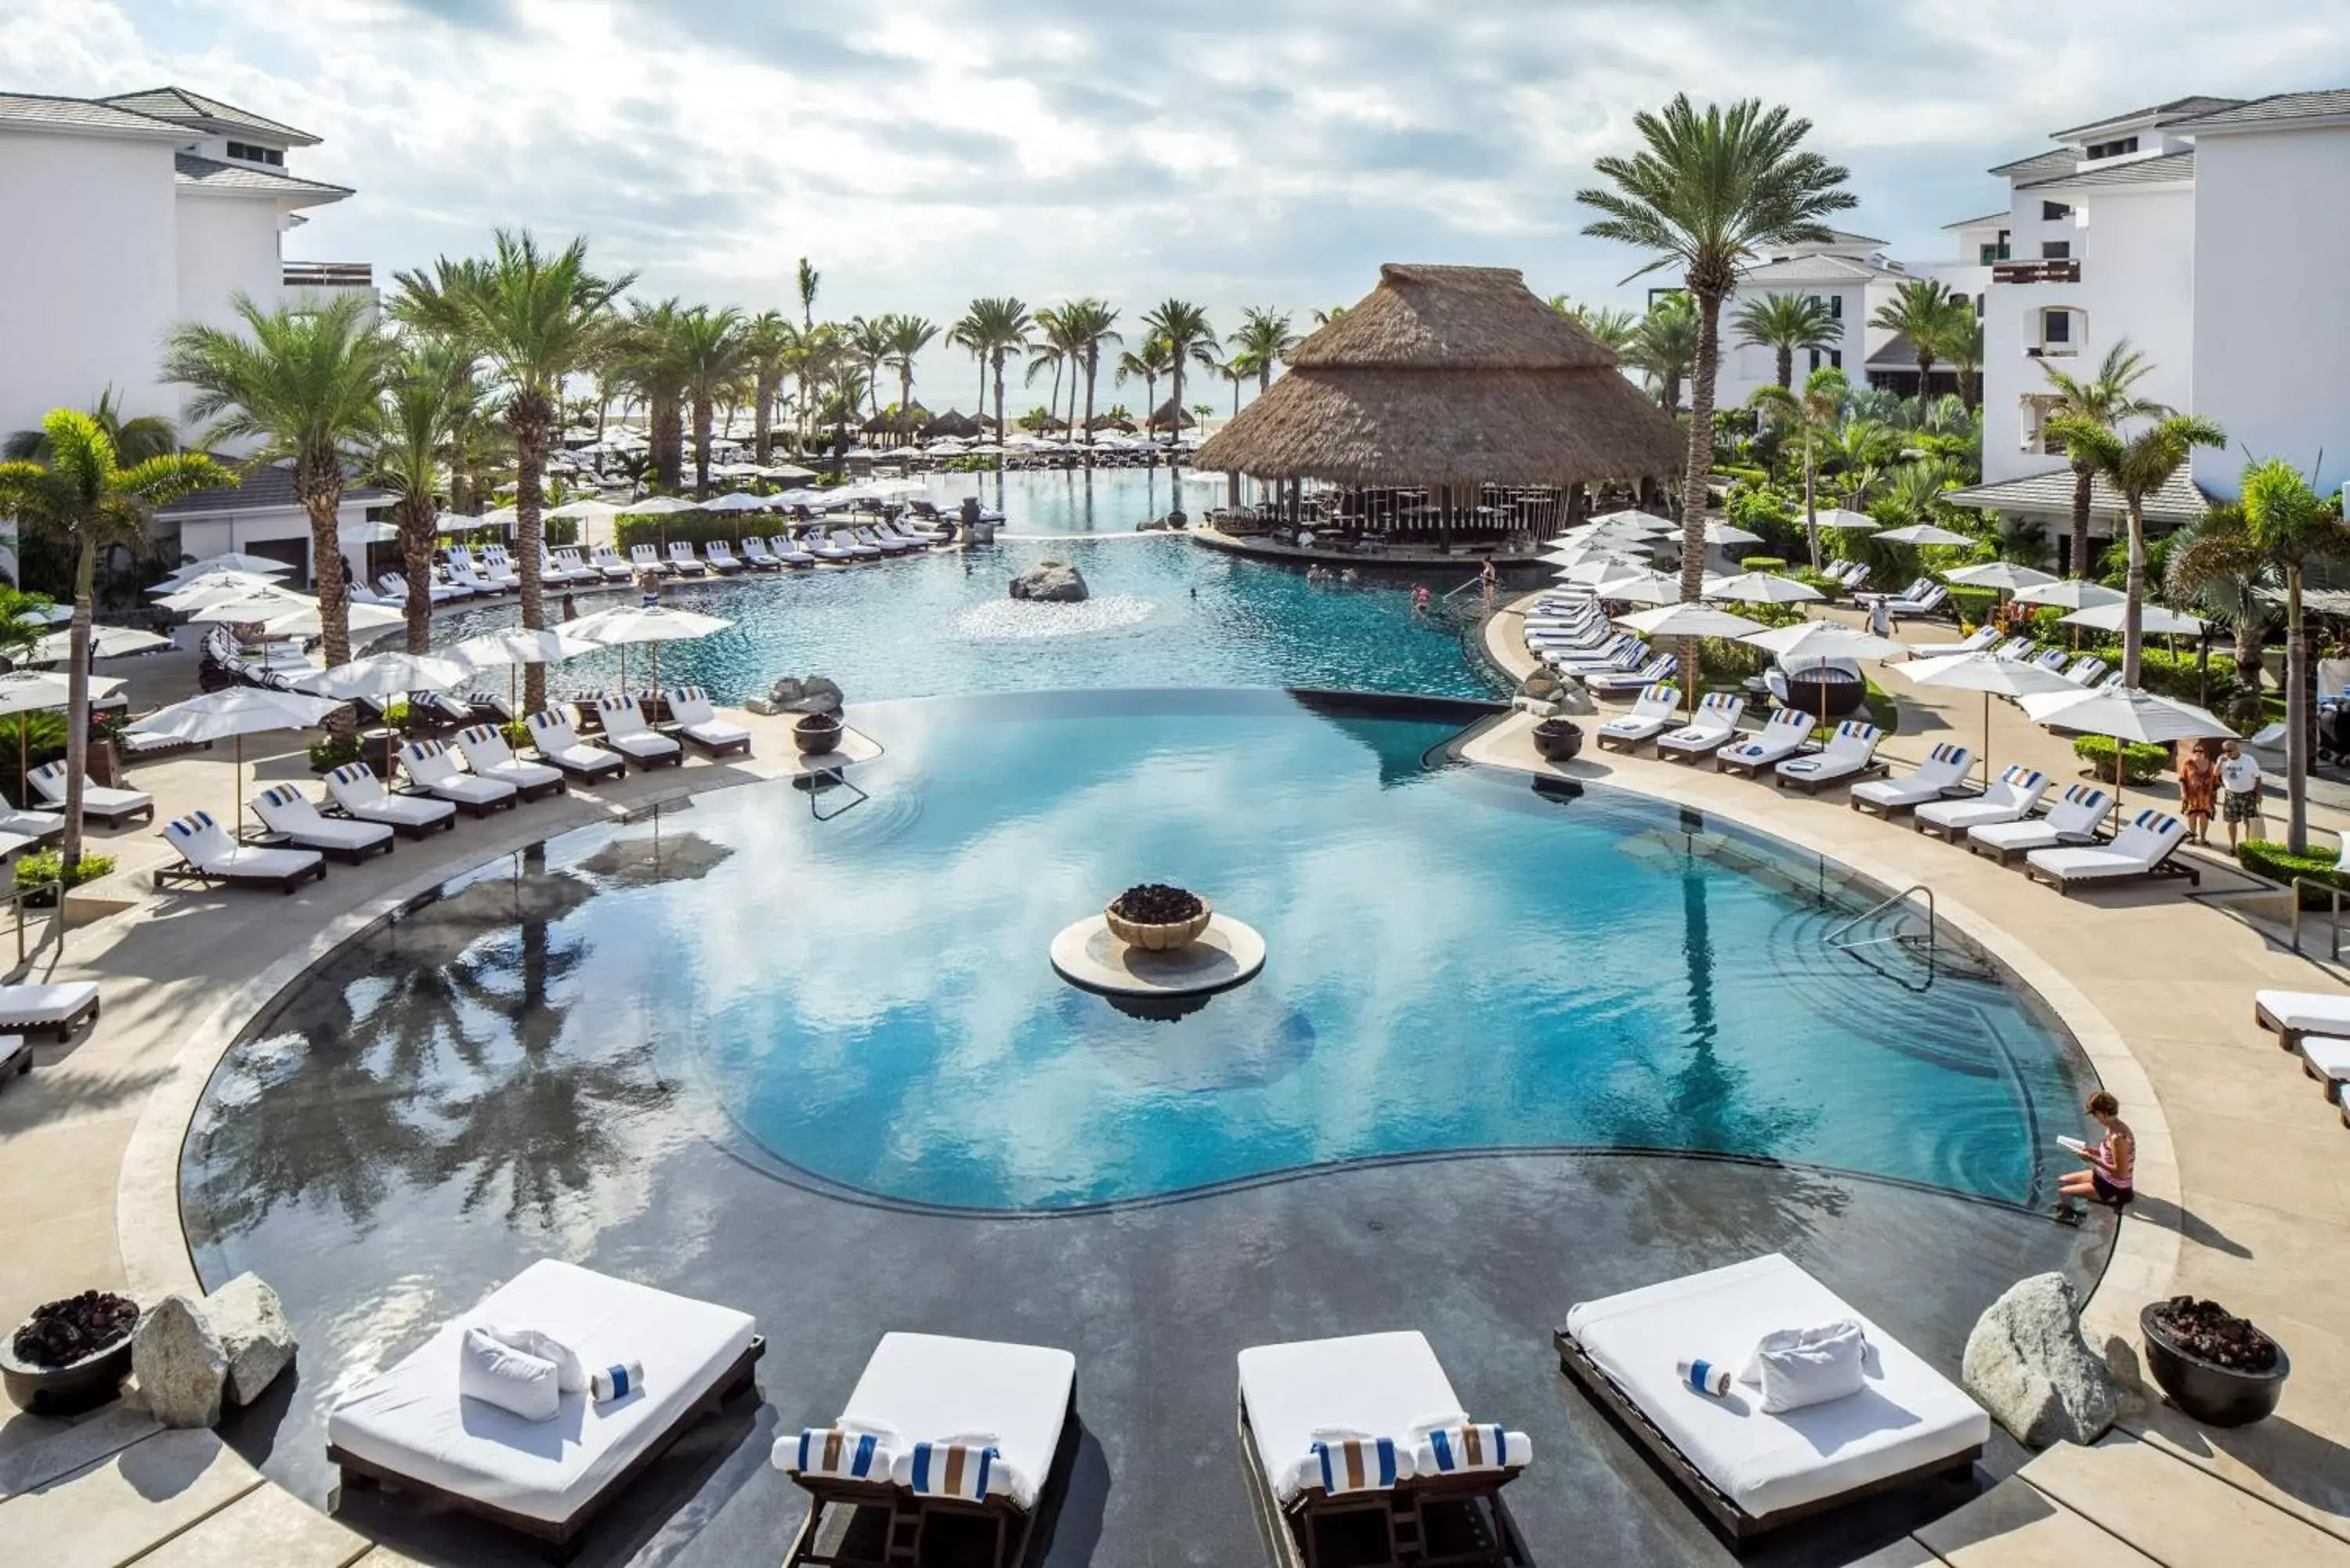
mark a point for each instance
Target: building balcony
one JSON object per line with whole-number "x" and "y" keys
{"x": 2052, "y": 269}
{"x": 328, "y": 274}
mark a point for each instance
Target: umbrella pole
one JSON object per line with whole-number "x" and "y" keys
{"x": 1986, "y": 751}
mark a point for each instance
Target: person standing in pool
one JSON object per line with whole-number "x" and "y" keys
{"x": 2112, "y": 1162}
{"x": 1487, "y": 579}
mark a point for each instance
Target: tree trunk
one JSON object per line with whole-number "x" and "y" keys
{"x": 981, "y": 410}
{"x": 1811, "y": 499}
{"x": 761, "y": 425}
{"x": 2248, "y": 638}
{"x": 906, "y": 392}
{"x": 1697, "y": 465}
{"x": 77, "y": 706}
{"x": 998, "y": 360}
{"x": 2080, "y": 521}
{"x": 1093, "y": 367}
{"x": 700, "y": 447}
{"x": 2296, "y": 717}
{"x": 416, "y": 520}
{"x": 2133, "y": 609}
{"x": 1786, "y": 356}
{"x": 322, "y": 496}
{"x": 527, "y": 415}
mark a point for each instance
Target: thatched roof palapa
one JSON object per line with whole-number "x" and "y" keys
{"x": 1171, "y": 418}
{"x": 953, "y": 422}
{"x": 1451, "y": 375}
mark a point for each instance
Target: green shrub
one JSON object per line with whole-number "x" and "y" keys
{"x": 334, "y": 752}
{"x": 43, "y": 866}
{"x": 516, "y": 734}
{"x": 2263, "y": 857}
{"x": 2140, "y": 765}
{"x": 1973, "y": 605}
{"x": 694, "y": 527}
{"x": 1763, "y": 563}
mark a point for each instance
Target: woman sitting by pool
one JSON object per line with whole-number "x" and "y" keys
{"x": 2107, "y": 1178}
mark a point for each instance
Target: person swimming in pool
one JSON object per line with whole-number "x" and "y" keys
{"x": 2112, "y": 1162}
{"x": 1419, "y": 598}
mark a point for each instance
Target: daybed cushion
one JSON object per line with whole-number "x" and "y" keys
{"x": 2313, "y": 1012}
{"x": 505, "y": 1378}
{"x": 1367, "y": 1385}
{"x": 2086, "y": 865}
{"x": 2329, "y": 1055}
{"x": 1800, "y": 1367}
{"x": 46, "y": 1003}
{"x": 930, "y": 1388}
{"x": 411, "y": 1422}
{"x": 1907, "y": 1416}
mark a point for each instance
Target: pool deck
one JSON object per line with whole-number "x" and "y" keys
{"x": 2245, "y": 1170}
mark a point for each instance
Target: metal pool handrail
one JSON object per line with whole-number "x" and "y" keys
{"x": 1834, "y": 937}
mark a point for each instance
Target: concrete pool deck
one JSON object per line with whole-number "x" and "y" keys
{"x": 2261, "y": 1215}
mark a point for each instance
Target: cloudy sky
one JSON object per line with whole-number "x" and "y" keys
{"x": 1229, "y": 151}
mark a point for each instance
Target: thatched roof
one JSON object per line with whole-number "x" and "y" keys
{"x": 1171, "y": 418}
{"x": 953, "y": 422}
{"x": 1450, "y": 375}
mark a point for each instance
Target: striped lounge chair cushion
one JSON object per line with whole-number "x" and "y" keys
{"x": 1451, "y": 1451}
{"x": 281, "y": 794}
{"x": 1948, "y": 752}
{"x": 1357, "y": 1464}
{"x": 2020, "y": 777}
{"x": 948, "y": 1469}
{"x": 845, "y": 1456}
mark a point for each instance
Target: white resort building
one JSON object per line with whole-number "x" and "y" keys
{"x": 168, "y": 205}
{"x": 1847, "y": 272}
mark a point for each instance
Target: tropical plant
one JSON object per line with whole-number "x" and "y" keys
{"x": 766, "y": 350}
{"x": 1146, "y": 364}
{"x": 869, "y": 341}
{"x": 1189, "y": 340}
{"x": 1860, "y": 449}
{"x": 1053, "y": 350}
{"x": 712, "y": 354}
{"x": 1612, "y": 329}
{"x": 79, "y": 492}
{"x": 908, "y": 336}
{"x": 1664, "y": 347}
{"x": 1922, "y": 309}
{"x": 429, "y": 396}
{"x": 134, "y": 440}
{"x": 1090, "y": 322}
{"x": 1784, "y": 323}
{"x": 1810, "y": 414}
{"x": 1959, "y": 339}
{"x": 1262, "y": 338}
{"x": 1322, "y": 318}
{"x": 2136, "y": 469}
{"x": 1704, "y": 193}
{"x": 804, "y": 279}
{"x": 2106, "y": 401}
{"x": 302, "y": 387}
{"x": 992, "y": 329}
{"x": 2215, "y": 566}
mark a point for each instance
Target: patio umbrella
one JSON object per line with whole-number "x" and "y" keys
{"x": 214, "y": 588}
{"x": 1597, "y": 567}
{"x": 2070, "y": 592}
{"x": 105, "y": 643}
{"x": 302, "y": 619}
{"x": 1687, "y": 620}
{"x": 384, "y": 674}
{"x": 1991, "y": 676}
{"x": 235, "y": 561}
{"x": 1640, "y": 586}
{"x": 1632, "y": 518}
{"x": 516, "y": 645}
{"x": 232, "y": 714}
{"x": 1845, "y": 519}
{"x": 1922, "y": 534}
{"x": 2153, "y": 620}
{"x": 2007, "y": 576}
{"x": 241, "y": 608}
{"x": 1760, "y": 588}
{"x": 30, "y": 691}
{"x": 741, "y": 501}
{"x": 625, "y": 624}
{"x": 2125, "y": 713}
{"x": 655, "y": 507}
{"x": 1824, "y": 639}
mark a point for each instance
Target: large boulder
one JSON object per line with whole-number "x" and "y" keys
{"x": 182, "y": 1369}
{"x": 250, "y": 1323}
{"x": 793, "y": 695}
{"x": 2027, "y": 1364}
{"x": 1054, "y": 581}
{"x": 1568, "y": 699}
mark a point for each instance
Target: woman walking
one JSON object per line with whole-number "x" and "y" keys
{"x": 2198, "y": 791}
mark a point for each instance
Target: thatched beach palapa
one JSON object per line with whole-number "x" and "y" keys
{"x": 1451, "y": 376}
{"x": 953, "y": 422}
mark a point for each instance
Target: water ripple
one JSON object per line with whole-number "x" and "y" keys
{"x": 1022, "y": 620}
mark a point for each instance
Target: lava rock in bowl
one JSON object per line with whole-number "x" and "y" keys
{"x": 816, "y": 734}
{"x": 71, "y": 1355}
{"x": 1157, "y": 918}
{"x": 2216, "y": 1366}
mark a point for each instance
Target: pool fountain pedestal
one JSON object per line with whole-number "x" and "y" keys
{"x": 1227, "y": 953}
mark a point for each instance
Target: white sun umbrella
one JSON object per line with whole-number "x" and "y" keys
{"x": 2153, "y": 620}
{"x": 214, "y": 588}
{"x": 30, "y": 690}
{"x": 1718, "y": 532}
{"x": 655, "y": 507}
{"x": 1629, "y": 517}
{"x": 1816, "y": 639}
{"x": 623, "y": 625}
{"x": 1686, "y": 619}
{"x": 235, "y": 561}
{"x": 105, "y": 643}
{"x": 2070, "y": 593}
{"x": 2011, "y": 576}
{"x": 1922, "y": 534}
{"x": 2125, "y": 713}
{"x": 1991, "y": 676}
{"x": 303, "y": 620}
{"x": 498, "y": 517}
{"x": 1760, "y": 588}
{"x": 384, "y": 674}
{"x": 741, "y": 501}
{"x": 241, "y": 607}
{"x": 1639, "y": 587}
{"x": 586, "y": 508}
{"x": 789, "y": 471}
{"x": 1845, "y": 518}
{"x": 232, "y": 714}
{"x": 507, "y": 648}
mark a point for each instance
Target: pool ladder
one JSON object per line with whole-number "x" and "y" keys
{"x": 1836, "y": 939}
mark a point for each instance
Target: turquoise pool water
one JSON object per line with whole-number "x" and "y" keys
{"x": 1458, "y": 962}
{"x": 1164, "y": 611}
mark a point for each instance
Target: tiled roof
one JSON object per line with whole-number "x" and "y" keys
{"x": 180, "y": 105}
{"x": 2275, "y": 107}
{"x": 2160, "y": 113}
{"x": 1985, "y": 221}
{"x": 2050, "y": 495}
{"x": 1846, "y": 238}
{"x": 2137, "y": 172}
{"x": 1898, "y": 353}
{"x": 2039, "y": 165}
{"x": 264, "y": 489}
{"x": 1814, "y": 269}
{"x": 213, "y": 174}
{"x": 34, "y": 108}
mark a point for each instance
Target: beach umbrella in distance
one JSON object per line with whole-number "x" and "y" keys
{"x": 382, "y": 675}
{"x": 1816, "y": 639}
{"x": 624, "y": 625}
{"x": 1687, "y": 620}
{"x": 513, "y": 647}
{"x": 2010, "y": 576}
{"x": 1633, "y": 517}
{"x": 740, "y": 501}
{"x": 2125, "y": 713}
{"x": 241, "y": 607}
{"x": 1759, "y": 588}
{"x": 2070, "y": 592}
{"x": 232, "y": 714}
{"x": 105, "y": 643}
{"x": 2155, "y": 620}
{"x": 1844, "y": 519}
{"x": 1922, "y": 534}
{"x": 31, "y": 691}
{"x": 1640, "y": 586}
{"x": 212, "y": 589}
{"x": 233, "y": 561}
{"x": 1991, "y": 676}
{"x": 301, "y": 619}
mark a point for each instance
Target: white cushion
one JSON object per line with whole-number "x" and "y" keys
{"x": 51, "y": 1003}
{"x": 1797, "y": 1367}
{"x": 2329, "y": 1053}
{"x": 932, "y": 1388}
{"x": 1360, "y": 1384}
{"x": 570, "y": 1374}
{"x": 2315, "y": 1011}
{"x": 495, "y": 1373}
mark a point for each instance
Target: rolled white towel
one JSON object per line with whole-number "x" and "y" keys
{"x": 616, "y": 1381}
{"x": 1703, "y": 1376}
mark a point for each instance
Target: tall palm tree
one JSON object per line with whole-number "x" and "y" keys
{"x": 767, "y": 350}
{"x": 429, "y": 397}
{"x": 1811, "y": 414}
{"x": 1188, "y": 338}
{"x": 908, "y": 336}
{"x": 2214, "y": 565}
{"x": 2104, "y": 399}
{"x": 1146, "y": 364}
{"x": 1920, "y": 308}
{"x": 992, "y": 329}
{"x": 1052, "y": 350}
{"x": 304, "y": 387}
{"x": 1090, "y": 322}
{"x": 536, "y": 316}
{"x": 1262, "y": 338}
{"x": 868, "y": 340}
{"x": 646, "y": 350}
{"x": 713, "y": 354}
{"x": 805, "y": 280}
{"x": 1240, "y": 370}
{"x": 2136, "y": 469}
{"x": 1784, "y": 323}
{"x": 77, "y": 490}
{"x": 134, "y": 440}
{"x": 1704, "y": 193}
{"x": 1612, "y": 329}
{"x": 1961, "y": 341}
{"x": 1664, "y": 346}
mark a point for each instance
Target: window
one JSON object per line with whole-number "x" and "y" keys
{"x": 1979, "y": 306}
{"x": 252, "y": 155}
{"x": 2112, "y": 149}
{"x": 2055, "y": 212}
{"x": 2056, "y": 326}
{"x": 2055, "y": 250}
{"x": 1836, "y": 358}
{"x": 1835, "y": 308}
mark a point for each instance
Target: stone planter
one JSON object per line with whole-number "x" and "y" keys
{"x": 2214, "y": 1395}
{"x": 1162, "y": 938}
{"x": 816, "y": 734}
{"x": 1558, "y": 740}
{"x": 66, "y": 1390}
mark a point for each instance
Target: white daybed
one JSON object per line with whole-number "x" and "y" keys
{"x": 58, "y": 1008}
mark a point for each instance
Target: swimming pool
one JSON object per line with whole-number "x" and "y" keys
{"x": 1163, "y": 612}
{"x": 1459, "y": 963}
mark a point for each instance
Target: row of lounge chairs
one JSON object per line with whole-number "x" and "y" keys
{"x": 1362, "y": 1440}
{"x": 56, "y": 1009}
{"x": 2316, "y": 1026}
{"x": 1572, "y": 637}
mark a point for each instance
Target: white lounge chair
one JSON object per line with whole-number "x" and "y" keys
{"x": 757, "y": 556}
{"x": 2326, "y": 1058}
{"x": 2086, "y": 671}
{"x": 1788, "y": 731}
{"x": 359, "y": 794}
{"x": 821, "y": 545}
{"x": 719, "y": 556}
{"x": 609, "y": 566}
{"x": 2295, "y": 1016}
{"x": 431, "y": 769}
{"x": 560, "y": 744}
{"x": 1604, "y": 681}
{"x": 1944, "y": 770}
{"x": 2073, "y": 820}
{"x": 57, "y": 1008}
{"x": 498, "y": 567}
{"x": 488, "y": 757}
{"x": 938, "y": 1430}
{"x": 465, "y": 574}
{"x": 491, "y": 707}
{"x": 1975, "y": 641}
{"x": 1923, "y": 604}
{"x": 1712, "y": 727}
{"x": 17, "y": 822}
{"x": 789, "y": 553}
{"x": 644, "y": 558}
{"x": 626, "y": 732}
{"x": 1850, "y": 753}
{"x": 683, "y": 561}
{"x": 2012, "y": 797}
{"x": 1853, "y": 576}
{"x": 2144, "y": 848}
{"x": 1918, "y": 586}
{"x": 2017, "y": 648}
{"x": 1370, "y": 1425}
{"x": 1751, "y": 1471}
{"x": 108, "y": 807}
{"x": 207, "y": 853}
{"x": 846, "y": 539}
{"x": 696, "y": 720}
{"x": 411, "y": 1428}
{"x": 1650, "y": 713}
{"x": 284, "y": 809}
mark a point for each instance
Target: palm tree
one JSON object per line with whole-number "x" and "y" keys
{"x": 1961, "y": 341}
{"x": 1052, "y": 350}
{"x": 134, "y": 440}
{"x": 304, "y": 387}
{"x": 2136, "y": 469}
{"x": 712, "y": 354}
{"x": 1811, "y": 414}
{"x": 647, "y": 351}
{"x": 908, "y": 336}
{"x": 1920, "y": 308}
{"x": 805, "y": 280}
{"x": 1189, "y": 338}
{"x": 1090, "y": 323}
{"x": 1240, "y": 370}
{"x": 1862, "y": 448}
{"x": 2215, "y": 566}
{"x": 1611, "y": 328}
{"x": 1324, "y": 316}
{"x": 991, "y": 329}
{"x": 1784, "y": 323}
{"x": 536, "y": 317}
{"x": 868, "y": 340}
{"x": 1664, "y": 346}
{"x": 1703, "y": 194}
{"x": 1146, "y": 364}
{"x": 1262, "y": 338}
{"x": 766, "y": 349}
{"x": 2105, "y": 400}
{"x": 431, "y": 395}
{"x": 78, "y": 491}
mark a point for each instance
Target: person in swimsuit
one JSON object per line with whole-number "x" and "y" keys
{"x": 2198, "y": 791}
{"x": 2108, "y": 1179}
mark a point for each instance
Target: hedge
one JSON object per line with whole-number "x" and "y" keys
{"x": 694, "y": 527}
{"x": 1763, "y": 563}
{"x": 2140, "y": 763}
{"x": 2263, "y": 857}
